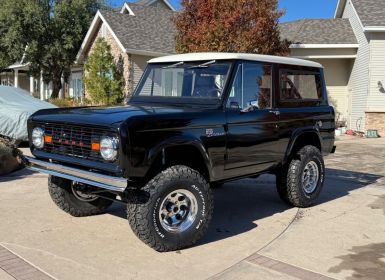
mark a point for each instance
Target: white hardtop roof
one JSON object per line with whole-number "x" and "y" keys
{"x": 231, "y": 56}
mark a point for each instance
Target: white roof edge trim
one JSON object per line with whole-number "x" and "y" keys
{"x": 127, "y": 8}
{"x": 233, "y": 56}
{"x": 112, "y": 32}
{"x": 324, "y": 46}
{"x": 90, "y": 32}
{"x": 339, "y": 8}
{"x": 374, "y": 29}
{"x": 88, "y": 35}
{"x": 355, "y": 12}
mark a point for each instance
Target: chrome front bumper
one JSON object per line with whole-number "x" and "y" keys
{"x": 90, "y": 178}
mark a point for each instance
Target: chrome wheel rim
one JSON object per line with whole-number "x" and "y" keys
{"x": 310, "y": 177}
{"x": 81, "y": 195}
{"x": 178, "y": 211}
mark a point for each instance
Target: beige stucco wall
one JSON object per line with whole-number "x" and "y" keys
{"x": 337, "y": 75}
{"x": 318, "y": 52}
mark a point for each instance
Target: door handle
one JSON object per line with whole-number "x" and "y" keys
{"x": 275, "y": 112}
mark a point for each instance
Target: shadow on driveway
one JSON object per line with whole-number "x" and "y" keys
{"x": 239, "y": 204}
{"x": 19, "y": 174}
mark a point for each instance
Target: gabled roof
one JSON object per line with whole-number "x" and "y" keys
{"x": 370, "y": 12}
{"x": 149, "y": 31}
{"x": 150, "y": 2}
{"x": 319, "y": 32}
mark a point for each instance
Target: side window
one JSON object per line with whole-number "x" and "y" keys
{"x": 252, "y": 87}
{"x": 300, "y": 86}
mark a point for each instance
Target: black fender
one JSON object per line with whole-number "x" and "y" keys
{"x": 297, "y": 134}
{"x": 180, "y": 141}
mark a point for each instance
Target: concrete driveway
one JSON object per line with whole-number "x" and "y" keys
{"x": 253, "y": 234}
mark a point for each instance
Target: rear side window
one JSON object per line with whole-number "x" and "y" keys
{"x": 300, "y": 87}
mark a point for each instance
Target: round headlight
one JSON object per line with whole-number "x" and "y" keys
{"x": 38, "y": 137}
{"x": 109, "y": 148}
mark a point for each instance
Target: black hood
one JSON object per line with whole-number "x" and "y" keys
{"x": 102, "y": 116}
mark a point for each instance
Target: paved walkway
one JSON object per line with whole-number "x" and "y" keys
{"x": 253, "y": 234}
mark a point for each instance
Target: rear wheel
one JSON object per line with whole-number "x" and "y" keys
{"x": 300, "y": 181}
{"x": 70, "y": 198}
{"x": 177, "y": 212}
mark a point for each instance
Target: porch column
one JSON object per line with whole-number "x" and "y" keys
{"x": 41, "y": 87}
{"x": 16, "y": 79}
{"x": 31, "y": 80}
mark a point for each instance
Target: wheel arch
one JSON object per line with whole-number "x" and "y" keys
{"x": 178, "y": 151}
{"x": 301, "y": 138}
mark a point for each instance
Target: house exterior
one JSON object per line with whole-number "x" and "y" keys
{"x": 351, "y": 46}
{"x": 136, "y": 33}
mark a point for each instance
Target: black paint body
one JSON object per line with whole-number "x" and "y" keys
{"x": 230, "y": 143}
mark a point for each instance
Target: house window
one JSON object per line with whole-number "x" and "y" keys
{"x": 77, "y": 89}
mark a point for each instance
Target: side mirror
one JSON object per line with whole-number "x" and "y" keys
{"x": 254, "y": 103}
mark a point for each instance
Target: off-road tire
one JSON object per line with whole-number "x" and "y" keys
{"x": 62, "y": 195}
{"x": 143, "y": 215}
{"x": 289, "y": 178}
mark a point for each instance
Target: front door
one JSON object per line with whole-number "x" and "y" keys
{"x": 252, "y": 122}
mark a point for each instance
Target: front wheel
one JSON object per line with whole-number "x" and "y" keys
{"x": 177, "y": 212}
{"x": 300, "y": 181}
{"x": 70, "y": 198}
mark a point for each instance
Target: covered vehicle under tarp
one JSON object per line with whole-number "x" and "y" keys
{"x": 16, "y": 106}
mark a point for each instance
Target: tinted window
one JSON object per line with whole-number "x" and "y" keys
{"x": 297, "y": 86}
{"x": 197, "y": 80}
{"x": 251, "y": 89}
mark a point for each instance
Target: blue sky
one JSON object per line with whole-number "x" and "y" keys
{"x": 295, "y": 9}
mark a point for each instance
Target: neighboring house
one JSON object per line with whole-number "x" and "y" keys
{"x": 352, "y": 48}
{"x": 136, "y": 33}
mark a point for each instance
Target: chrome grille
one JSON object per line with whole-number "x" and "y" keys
{"x": 74, "y": 141}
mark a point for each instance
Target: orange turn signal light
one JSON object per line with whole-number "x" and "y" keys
{"x": 47, "y": 139}
{"x": 95, "y": 146}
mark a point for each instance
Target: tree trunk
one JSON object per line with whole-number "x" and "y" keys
{"x": 56, "y": 86}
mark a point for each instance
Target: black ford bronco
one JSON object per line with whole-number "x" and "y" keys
{"x": 194, "y": 122}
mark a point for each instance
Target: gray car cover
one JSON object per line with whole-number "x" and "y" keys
{"x": 16, "y": 106}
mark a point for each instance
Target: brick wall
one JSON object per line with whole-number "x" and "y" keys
{"x": 116, "y": 51}
{"x": 376, "y": 120}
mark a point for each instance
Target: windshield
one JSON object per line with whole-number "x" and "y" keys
{"x": 199, "y": 81}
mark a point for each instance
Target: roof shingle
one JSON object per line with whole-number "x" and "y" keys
{"x": 371, "y": 12}
{"x": 151, "y": 29}
{"x": 318, "y": 31}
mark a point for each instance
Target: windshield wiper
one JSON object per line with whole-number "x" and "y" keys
{"x": 204, "y": 65}
{"x": 173, "y": 65}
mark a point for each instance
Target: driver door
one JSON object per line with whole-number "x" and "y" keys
{"x": 252, "y": 122}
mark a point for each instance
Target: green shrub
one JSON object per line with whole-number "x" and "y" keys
{"x": 69, "y": 102}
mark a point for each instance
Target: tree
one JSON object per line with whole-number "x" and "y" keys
{"x": 249, "y": 26}
{"x": 103, "y": 78}
{"x": 47, "y": 34}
